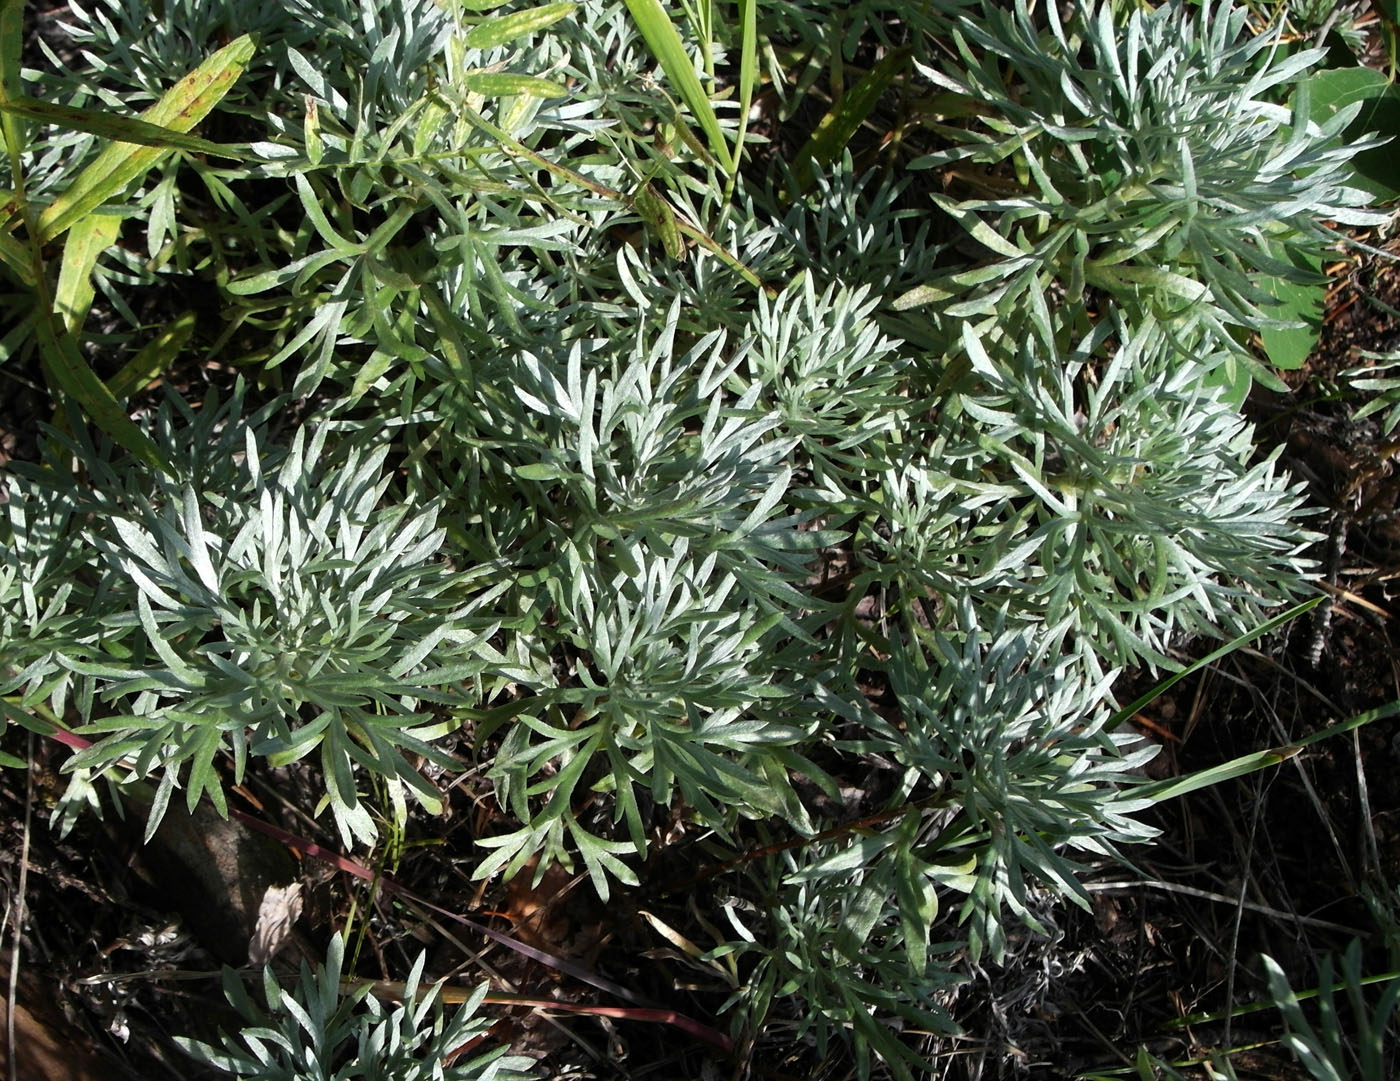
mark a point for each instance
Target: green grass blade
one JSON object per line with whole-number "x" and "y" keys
{"x": 1229, "y": 647}
{"x": 748, "y": 70}
{"x": 1251, "y": 763}
{"x": 179, "y": 109}
{"x": 665, "y": 44}
{"x": 123, "y": 129}
{"x": 683, "y": 224}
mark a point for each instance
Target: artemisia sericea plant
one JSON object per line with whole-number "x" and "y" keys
{"x": 536, "y": 429}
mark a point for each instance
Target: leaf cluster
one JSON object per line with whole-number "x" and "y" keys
{"x": 319, "y": 1031}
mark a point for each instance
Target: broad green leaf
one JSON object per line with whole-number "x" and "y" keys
{"x": 843, "y": 120}
{"x": 120, "y": 129}
{"x": 501, "y": 84}
{"x": 498, "y": 31}
{"x": 1377, "y": 170}
{"x": 86, "y": 241}
{"x": 660, "y": 34}
{"x": 179, "y": 109}
{"x": 1302, "y": 302}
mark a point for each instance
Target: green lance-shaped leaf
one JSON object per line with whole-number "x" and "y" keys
{"x": 11, "y": 48}
{"x": 845, "y": 118}
{"x": 498, "y": 31}
{"x": 153, "y": 358}
{"x": 657, "y": 212}
{"x": 179, "y": 109}
{"x": 501, "y": 84}
{"x": 70, "y": 373}
{"x": 87, "y": 240}
{"x": 665, "y": 44}
{"x": 117, "y": 128}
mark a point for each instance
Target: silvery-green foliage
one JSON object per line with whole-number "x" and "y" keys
{"x": 677, "y": 694}
{"x": 1011, "y": 731}
{"x": 1105, "y": 489}
{"x": 319, "y": 1032}
{"x": 276, "y": 604}
{"x": 445, "y": 220}
{"x": 59, "y": 587}
{"x": 132, "y": 52}
{"x": 1380, "y": 380}
{"x": 854, "y": 229}
{"x": 846, "y": 928}
{"x": 650, "y": 529}
{"x": 835, "y": 384}
{"x": 650, "y": 451}
{"x": 46, "y": 586}
{"x": 1145, "y": 156}
{"x": 674, "y": 559}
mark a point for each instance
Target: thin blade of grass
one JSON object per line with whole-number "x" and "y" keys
{"x": 683, "y": 224}
{"x": 1251, "y": 763}
{"x": 748, "y": 71}
{"x": 179, "y": 109}
{"x": 1210, "y": 658}
{"x": 661, "y": 37}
